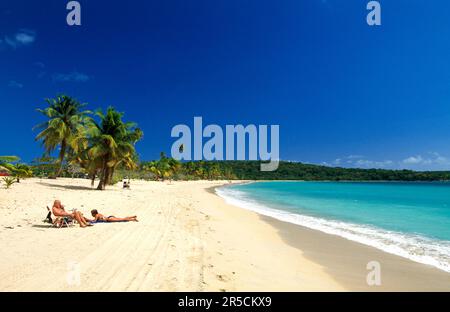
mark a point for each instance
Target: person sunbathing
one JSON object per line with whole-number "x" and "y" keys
{"x": 98, "y": 217}
{"x": 59, "y": 211}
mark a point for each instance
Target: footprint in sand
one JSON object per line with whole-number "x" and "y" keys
{"x": 221, "y": 277}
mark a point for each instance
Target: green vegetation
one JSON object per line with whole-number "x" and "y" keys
{"x": 5, "y": 162}
{"x": 65, "y": 126}
{"x": 170, "y": 169}
{"x": 102, "y": 146}
{"x": 46, "y": 167}
{"x": 110, "y": 145}
{"x": 9, "y": 181}
{"x": 164, "y": 168}
{"x": 250, "y": 170}
{"x": 17, "y": 170}
{"x": 89, "y": 144}
{"x": 21, "y": 171}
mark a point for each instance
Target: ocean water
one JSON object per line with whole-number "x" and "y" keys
{"x": 411, "y": 220}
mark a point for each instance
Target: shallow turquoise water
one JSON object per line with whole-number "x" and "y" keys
{"x": 407, "y": 207}
{"x": 408, "y": 219}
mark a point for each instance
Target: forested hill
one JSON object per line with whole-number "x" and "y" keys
{"x": 250, "y": 170}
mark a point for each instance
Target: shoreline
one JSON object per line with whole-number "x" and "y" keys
{"x": 346, "y": 260}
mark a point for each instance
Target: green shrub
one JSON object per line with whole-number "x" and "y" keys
{"x": 9, "y": 181}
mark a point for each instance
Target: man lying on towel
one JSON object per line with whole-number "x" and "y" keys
{"x": 98, "y": 217}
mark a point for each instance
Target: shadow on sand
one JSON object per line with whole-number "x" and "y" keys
{"x": 68, "y": 187}
{"x": 42, "y": 226}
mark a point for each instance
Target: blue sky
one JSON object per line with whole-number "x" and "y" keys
{"x": 343, "y": 93}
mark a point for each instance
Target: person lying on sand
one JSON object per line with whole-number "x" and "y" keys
{"x": 59, "y": 211}
{"x": 101, "y": 218}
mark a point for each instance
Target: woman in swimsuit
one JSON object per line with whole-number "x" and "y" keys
{"x": 99, "y": 217}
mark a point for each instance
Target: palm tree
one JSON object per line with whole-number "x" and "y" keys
{"x": 17, "y": 170}
{"x": 175, "y": 167}
{"x": 64, "y": 127}
{"x": 21, "y": 171}
{"x": 164, "y": 168}
{"x": 112, "y": 144}
{"x": 154, "y": 168}
{"x": 5, "y": 162}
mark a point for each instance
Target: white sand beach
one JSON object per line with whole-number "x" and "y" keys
{"x": 187, "y": 239}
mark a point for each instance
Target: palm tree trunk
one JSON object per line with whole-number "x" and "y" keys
{"x": 62, "y": 153}
{"x": 111, "y": 175}
{"x": 102, "y": 183}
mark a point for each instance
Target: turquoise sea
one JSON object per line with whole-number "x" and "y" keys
{"x": 411, "y": 220}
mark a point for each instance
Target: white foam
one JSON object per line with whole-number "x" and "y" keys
{"x": 413, "y": 247}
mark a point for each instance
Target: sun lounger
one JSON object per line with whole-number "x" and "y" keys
{"x": 58, "y": 222}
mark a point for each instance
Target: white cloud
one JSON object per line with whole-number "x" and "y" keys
{"x": 429, "y": 161}
{"x": 39, "y": 64}
{"x": 359, "y": 161}
{"x": 433, "y": 161}
{"x": 365, "y": 163}
{"x": 23, "y": 37}
{"x": 355, "y": 156}
{"x": 73, "y": 76}
{"x": 413, "y": 160}
{"x": 15, "y": 84}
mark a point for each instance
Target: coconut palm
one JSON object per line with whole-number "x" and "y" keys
{"x": 175, "y": 167}
{"x": 153, "y": 167}
{"x": 112, "y": 144}
{"x": 5, "y": 162}
{"x": 64, "y": 127}
{"x": 17, "y": 170}
{"x": 21, "y": 171}
{"x": 164, "y": 168}
{"x": 89, "y": 164}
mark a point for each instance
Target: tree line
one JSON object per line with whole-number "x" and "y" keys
{"x": 101, "y": 145}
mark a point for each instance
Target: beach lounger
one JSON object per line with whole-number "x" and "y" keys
{"x": 58, "y": 222}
